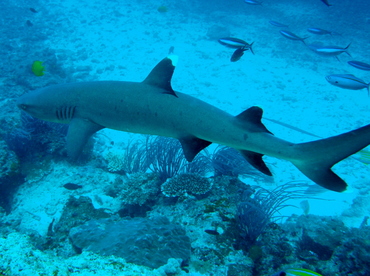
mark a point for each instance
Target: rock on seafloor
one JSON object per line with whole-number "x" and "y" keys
{"x": 149, "y": 242}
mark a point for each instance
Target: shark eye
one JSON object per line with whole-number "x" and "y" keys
{"x": 23, "y": 106}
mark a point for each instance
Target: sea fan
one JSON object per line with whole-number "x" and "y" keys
{"x": 264, "y": 206}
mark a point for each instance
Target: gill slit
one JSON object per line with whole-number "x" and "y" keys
{"x": 65, "y": 113}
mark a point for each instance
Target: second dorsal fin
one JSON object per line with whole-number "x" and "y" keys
{"x": 253, "y": 115}
{"x": 161, "y": 74}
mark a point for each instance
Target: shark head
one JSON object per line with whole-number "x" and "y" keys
{"x": 42, "y": 105}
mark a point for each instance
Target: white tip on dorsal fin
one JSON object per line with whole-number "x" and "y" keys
{"x": 174, "y": 59}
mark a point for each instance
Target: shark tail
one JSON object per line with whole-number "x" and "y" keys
{"x": 315, "y": 159}
{"x": 303, "y": 40}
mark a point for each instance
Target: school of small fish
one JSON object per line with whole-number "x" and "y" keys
{"x": 345, "y": 81}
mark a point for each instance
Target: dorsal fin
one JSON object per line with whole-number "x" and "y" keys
{"x": 161, "y": 74}
{"x": 253, "y": 115}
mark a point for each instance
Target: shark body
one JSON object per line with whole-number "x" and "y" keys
{"x": 153, "y": 107}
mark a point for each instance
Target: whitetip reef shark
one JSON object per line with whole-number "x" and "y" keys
{"x": 153, "y": 107}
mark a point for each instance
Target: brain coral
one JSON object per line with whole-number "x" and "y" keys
{"x": 186, "y": 183}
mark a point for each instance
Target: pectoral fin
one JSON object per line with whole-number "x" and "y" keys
{"x": 80, "y": 130}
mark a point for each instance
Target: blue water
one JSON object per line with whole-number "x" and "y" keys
{"x": 79, "y": 41}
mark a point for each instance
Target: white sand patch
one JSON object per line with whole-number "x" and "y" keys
{"x": 42, "y": 198}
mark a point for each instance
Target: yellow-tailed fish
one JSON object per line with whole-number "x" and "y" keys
{"x": 38, "y": 68}
{"x": 362, "y": 156}
{"x": 297, "y": 272}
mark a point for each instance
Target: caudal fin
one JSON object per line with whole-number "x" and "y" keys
{"x": 250, "y": 47}
{"x": 316, "y": 158}
{"x": 303, "y": 40}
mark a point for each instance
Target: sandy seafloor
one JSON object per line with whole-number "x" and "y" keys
{"x": 123, "y": 40}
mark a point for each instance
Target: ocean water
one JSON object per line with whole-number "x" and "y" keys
{"x": 160, "y": 215}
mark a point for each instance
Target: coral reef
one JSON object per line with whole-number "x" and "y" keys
{"x": 186, "y": 183}
{"x": 9, "y": 162}
{"x": 321, "y": 244}
{"x": 36, "y": 138}
{"x": 10, "y": 176}
{"x": 353, "y": 253}
{"x": 138, "y": 188}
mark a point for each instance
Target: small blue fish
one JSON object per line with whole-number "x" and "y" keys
{"x": 235, "y": 43}
{"x": 348, "y": 81}
{"x": 292, "y": 36}
{"x": 253, "y": 2}
{"x": 278, "y": 24}
{"x": 329, "y": 51}
{"x": 360, "y": 65}
{"x": 297, "y": 272}
{"x": 319, "y": 31}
